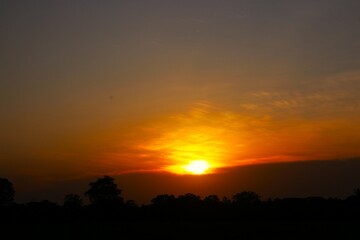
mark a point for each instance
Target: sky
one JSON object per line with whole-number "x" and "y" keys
{"x": 145, "y": 88}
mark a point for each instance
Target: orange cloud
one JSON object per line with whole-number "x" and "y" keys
{"x": 314, "y": 124}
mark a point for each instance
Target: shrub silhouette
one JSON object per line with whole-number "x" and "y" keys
{"x": 7, "y": 192}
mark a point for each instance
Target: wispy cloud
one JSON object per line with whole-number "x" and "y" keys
{"x": 338, "y": 93}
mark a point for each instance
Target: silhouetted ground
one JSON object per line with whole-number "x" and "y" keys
{"x": 186, "y": 216}
{"x": 183, "y": 230}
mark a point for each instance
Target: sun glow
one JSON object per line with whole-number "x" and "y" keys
{"x": 197, "y": 167}
{"x": 197, "y": 143}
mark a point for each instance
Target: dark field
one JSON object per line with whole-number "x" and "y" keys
{"x": 183, "y": 230}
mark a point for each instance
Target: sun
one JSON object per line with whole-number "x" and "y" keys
{"x": 199, "y": 142}
{"x": 197, "y": 167}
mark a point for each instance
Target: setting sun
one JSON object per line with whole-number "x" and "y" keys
{"x": 197, "y": 167}
{"x": 197, "y": 142}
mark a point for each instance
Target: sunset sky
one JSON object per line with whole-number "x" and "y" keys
{"x": 180, "y": 96}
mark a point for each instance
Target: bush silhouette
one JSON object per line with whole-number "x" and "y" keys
{"x": 7, "y": 192}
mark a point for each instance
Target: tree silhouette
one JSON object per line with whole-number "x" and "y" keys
{"x": 104, "y": 191}
{"x": 357, "y": 192}
{"x": 163, "y": 200}
{"x": 355, "y": 197}
{"x": 246, "y": 197}
{"x": 73, "y": 200}
{"x": 226, "y": 201}
{"x": 7, "y": 192}
{"x": 212, "y": 199}
{"x": 131, "y": 203}
{"x": 189, "y": 200}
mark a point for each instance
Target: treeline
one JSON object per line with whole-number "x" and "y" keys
{"x": 107, "y": 205}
